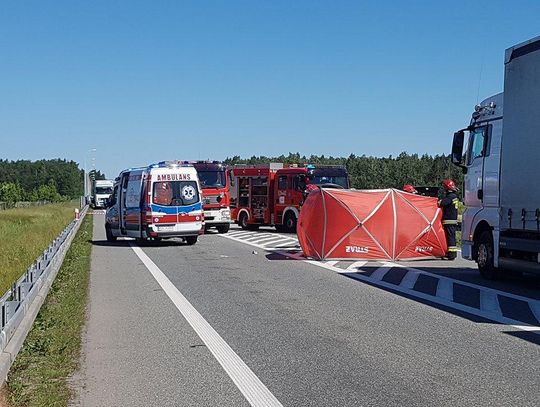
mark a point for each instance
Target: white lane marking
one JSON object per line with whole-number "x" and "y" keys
{"x": 268, "y": 239}
{"x": 410, "y": 279}
{"x": 441, "y": 301}
{"x": 356, "y": 266}
{"x": 489, "y": 302}
{"x": 535, "y": 309}
{"x": 445, "y": 289}
{"x": 255, "y": 392}
{"x": 259, "y": 236}
{"x": 487, "y": 295}
{"x": 380, "y": 273}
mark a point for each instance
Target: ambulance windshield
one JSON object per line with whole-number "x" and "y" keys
{"x": 175, "y": 193}
{"x": 212, "y": 179}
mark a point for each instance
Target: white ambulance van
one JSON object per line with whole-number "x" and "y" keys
{"x": 163, "y": 200}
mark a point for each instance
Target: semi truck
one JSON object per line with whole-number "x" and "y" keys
{"x": 216, "y": 196}
{"x": 101, "y": 191}
{"x": 272, "y": 194}
{"x": 499, "y": 153}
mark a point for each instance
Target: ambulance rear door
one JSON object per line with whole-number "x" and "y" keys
{"x": 132, "y": 203}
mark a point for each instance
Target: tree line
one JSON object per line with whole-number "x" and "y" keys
{"x": 43, "y": 180}
{"x": 368, "y": 172}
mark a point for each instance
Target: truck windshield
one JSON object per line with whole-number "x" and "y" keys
{"x": 175, "y": 193}
{"x": 104, "y": 190}
{"x": 212, "y": 179}
{"x": 323, "y": 179}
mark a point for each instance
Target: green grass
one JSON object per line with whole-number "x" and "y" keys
{"x": 51, "y": 351}
{"x": 25, "y": 233}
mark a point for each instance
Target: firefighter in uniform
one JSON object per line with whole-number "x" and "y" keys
{"x": 410, "y": 189}
{"x": 449, "y": 205}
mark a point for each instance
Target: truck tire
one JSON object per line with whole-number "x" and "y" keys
{"x": 108, "y": 234}
{"x": 243, "y": 220}
{"x": 223, "y": 228}
{"x": 484, "y": 257}
{"x": 191, "y": 240}
{"x": 290, "y": 222}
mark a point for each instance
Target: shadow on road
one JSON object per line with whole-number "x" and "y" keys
{"x": 150, "y": 243}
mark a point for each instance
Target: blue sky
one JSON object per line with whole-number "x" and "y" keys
{"x": 142, "y": 81}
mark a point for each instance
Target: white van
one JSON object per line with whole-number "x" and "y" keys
{"x": 160, "y": 201}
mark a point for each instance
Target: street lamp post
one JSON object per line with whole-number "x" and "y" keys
{"x": 86, "y": 190}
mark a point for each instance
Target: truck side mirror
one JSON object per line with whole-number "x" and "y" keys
{"x": 457, "y": 150}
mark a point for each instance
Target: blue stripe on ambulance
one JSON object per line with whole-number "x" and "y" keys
{"x": 173, "y": 210}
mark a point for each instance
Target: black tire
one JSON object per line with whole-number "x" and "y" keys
{"x": 484, "y": 256}
{"x": 191, "y": 240}
{"x": 223, "y": 228}
{"x": 290, "y": 222}
{"x": 243, "y": 220}
{"x": 108, "y": 234}
{"x": 252, "y": 227}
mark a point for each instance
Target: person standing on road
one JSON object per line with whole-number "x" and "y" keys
{"x": 449, "y": 204}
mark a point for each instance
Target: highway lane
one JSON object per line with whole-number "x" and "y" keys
{"x": 313, "y": 337}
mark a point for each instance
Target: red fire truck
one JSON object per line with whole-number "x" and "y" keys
{"x": 271, "y": 194}
{"x": 216, "y": 198}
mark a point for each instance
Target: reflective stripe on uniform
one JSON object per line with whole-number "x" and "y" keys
{"x": 452, "y": 249}
{"x": 449, "y": 222}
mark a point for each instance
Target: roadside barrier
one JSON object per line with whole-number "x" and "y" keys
{"x": 20, "y": 305}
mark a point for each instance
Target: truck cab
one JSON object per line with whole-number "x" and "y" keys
{"x": 101, "y": 191}
{"x": 500, "y": 159}
{"x": 477, "y": 150}
{"x": 216, "y": 196}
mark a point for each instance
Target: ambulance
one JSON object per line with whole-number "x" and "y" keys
{"x": 161, "y": 201}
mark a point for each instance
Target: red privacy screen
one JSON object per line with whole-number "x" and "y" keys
{"x": 379, "y": 224}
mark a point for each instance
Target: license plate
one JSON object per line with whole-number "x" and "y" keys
{"x": 168, "y": 228}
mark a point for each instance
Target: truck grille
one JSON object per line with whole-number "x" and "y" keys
{"x": 212, "y": 199}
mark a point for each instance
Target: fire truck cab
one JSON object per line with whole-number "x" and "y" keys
{"x": 272, "y": 194}
{"x": 216, "y": 196}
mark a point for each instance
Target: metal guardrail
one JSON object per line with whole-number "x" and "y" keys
{"x": 21, "y": 303}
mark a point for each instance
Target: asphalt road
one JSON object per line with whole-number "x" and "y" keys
{"x": 313, "y": 337}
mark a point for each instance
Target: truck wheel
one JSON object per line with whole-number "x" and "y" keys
{"x": 290, "y": 222}
{"x": 191, "y": 240}
{"x": 243, "y": 220}
{"x": 108, "y": 233}
{"x": 484, "y": 257}
{"x": 223, "y": 228}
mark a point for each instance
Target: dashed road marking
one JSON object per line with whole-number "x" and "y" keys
{"x": 471, "y": 298}
{"x": 255, "y": 392}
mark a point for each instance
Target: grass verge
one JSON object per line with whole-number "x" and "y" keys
{"x": 51, "y": 351}
{"x": 25, "y": 233}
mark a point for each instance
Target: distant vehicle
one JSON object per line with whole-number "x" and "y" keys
{"x": 501, "y": 223}
{"x": 272, "y": 194}
{"x": 216, "y": 195}
{"x": 160, "y": 201}
{"x": 101, "y": 191}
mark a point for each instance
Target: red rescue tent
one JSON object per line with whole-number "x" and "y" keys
{"x": 386, "y": 224}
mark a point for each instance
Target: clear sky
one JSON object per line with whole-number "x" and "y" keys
{"x": 143, "y": 81}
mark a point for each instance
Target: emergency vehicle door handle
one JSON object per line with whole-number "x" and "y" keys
{"x": 480, "y": 194}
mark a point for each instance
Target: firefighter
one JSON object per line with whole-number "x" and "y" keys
{"x": 449, "y": 204}
{"x": 410, "y": 189}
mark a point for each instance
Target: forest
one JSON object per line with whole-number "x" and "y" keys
{"x": 368, "y": 172}
{"x": 43, "y": 180}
